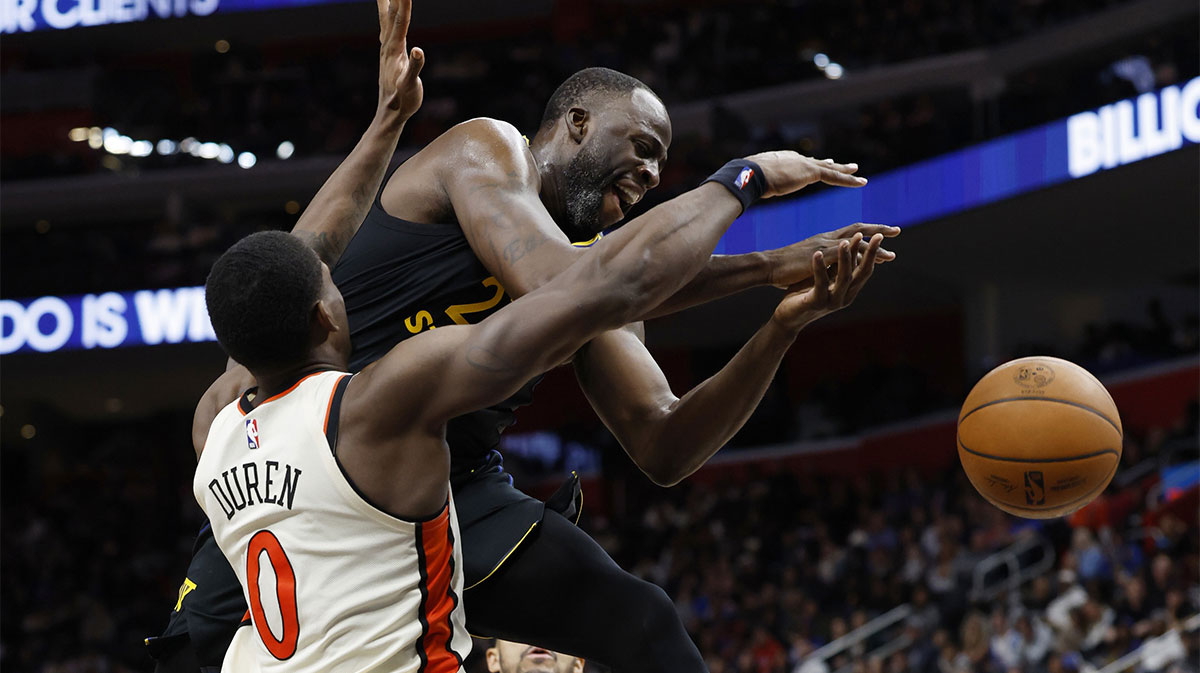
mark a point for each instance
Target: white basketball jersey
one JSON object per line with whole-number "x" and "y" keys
{"x": 333, "y": 583}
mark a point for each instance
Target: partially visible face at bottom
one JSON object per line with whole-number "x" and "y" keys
{"x": 510, "y": 657}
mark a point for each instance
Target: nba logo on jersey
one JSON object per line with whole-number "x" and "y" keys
{"x": 744, "y": 177}
{"x": 252, "y": 432}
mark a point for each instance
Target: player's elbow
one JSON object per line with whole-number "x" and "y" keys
{"x": 657, "y": 459}
{"x": 662, "y": 472}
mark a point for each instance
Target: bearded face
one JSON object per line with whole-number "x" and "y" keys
{"x": 586, "y": 180}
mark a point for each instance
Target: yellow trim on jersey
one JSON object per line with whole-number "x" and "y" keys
{"x": 579, "y": 514}
{"x": 186, "y": 588}
{"x": 510, "y": 553}
{"x": 584, "y": 244}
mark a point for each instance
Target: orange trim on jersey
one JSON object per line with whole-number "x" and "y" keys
{"x": 329, "y": 408}
{"x": 437, "y": 549}
{"x": 277, "y": 395}
{"x": 294, "y": 385}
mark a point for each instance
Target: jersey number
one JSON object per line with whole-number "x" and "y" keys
{"x": 285, "y": 590}
{"x": 456, "y": 312}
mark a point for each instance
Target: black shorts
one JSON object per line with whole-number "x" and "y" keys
{"x": 493, "y": 518}
{"x": 210, "y": 608}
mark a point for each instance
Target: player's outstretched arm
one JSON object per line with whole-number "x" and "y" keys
{"x": 725, "y": 275}
{"x": 494, "y": 185}
{"x": 670, "y": 437}
{"x": 621, "y": 277}
{"x": 335, "y": 213}
{"x": 397, "y": 407}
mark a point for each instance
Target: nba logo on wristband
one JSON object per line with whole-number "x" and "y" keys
{"x": 744, "y": 177}
{"x": 252, "y": 432}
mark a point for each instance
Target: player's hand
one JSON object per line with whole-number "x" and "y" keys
{"x": 793, "y": 264}
{"x": 400, "y": 89}
{"x": 802, "y": 306}
{"x": 787, "y": 172}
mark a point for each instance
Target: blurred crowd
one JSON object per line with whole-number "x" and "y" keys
{"x": 766, "y": 572}
{"x": 318, "y": 97}
{"x": 96, "y": 519}
{"x": 764, "y": 569}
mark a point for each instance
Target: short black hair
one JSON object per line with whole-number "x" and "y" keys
{"x": 584, "y": 85}
{"x": 260, "y": 295}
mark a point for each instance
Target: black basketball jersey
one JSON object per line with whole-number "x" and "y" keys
{"x": 401, "y": 278}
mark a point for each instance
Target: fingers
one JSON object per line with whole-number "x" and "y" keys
{"x": 394, "y": 17}
{"x": 402, "y": 16}
{"x": 884, "y": 254}
{"x": 836, "y": 174}
{"x": 867, "y": 266}
{"x": 416, "y": 61}
{"x": 820, "y": 279}
{"x": 868, "y": 230}
{"x": 845, "y": 268}
{"x": 381, "y": 7}
{"x": 841, "y": 168}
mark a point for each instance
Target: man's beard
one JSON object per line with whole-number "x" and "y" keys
{"x": 585, "y": 180}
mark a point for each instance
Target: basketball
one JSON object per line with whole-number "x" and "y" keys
{"x": 1039, "y": 437}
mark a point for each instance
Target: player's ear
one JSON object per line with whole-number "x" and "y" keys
{"x": 492, "y": 657}
{"x": 323, "y": 318}
{"x": 579, "y": 665}
{"x": 577, "y": 123}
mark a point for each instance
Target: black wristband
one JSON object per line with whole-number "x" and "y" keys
{"x": 743, "y": 178}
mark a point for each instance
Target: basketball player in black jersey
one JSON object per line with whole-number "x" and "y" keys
{"x": 494, "y": 197}
{"x": 479, "y": 217}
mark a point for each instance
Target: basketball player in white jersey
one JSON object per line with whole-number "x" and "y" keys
{"x": 329, "y": 493}
{"x": 508, "y": 657}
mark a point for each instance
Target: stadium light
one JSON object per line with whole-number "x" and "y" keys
{"x": 208, "y": 150}
{"x": 247, "y": 160}
{"x": 115, "y": 143}
{"x": 285, "y": 150}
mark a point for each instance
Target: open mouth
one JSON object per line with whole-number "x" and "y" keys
{"x": 539, "y": 654}
{"x": 627, "y": 195}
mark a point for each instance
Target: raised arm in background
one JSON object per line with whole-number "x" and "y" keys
{"x": 334, "y": 214}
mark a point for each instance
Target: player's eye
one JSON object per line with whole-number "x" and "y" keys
{"x": 643, "y": 148}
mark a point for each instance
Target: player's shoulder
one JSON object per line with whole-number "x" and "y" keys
{"x": 490, "y": 144}
{"x": 488, "y": 130}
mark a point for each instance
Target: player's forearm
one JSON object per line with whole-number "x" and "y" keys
{"x": 651, "y": 259}
{"x": 697, "y": 425}
{"x": 338, "y": 209}
{"x": 722, "y": 276}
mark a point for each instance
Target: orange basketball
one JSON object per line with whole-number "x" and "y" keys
{"x": 1039, "y": 437}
